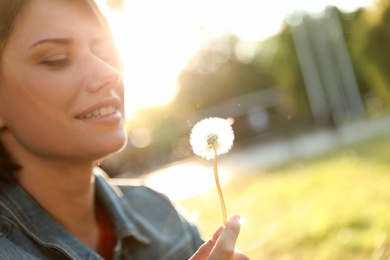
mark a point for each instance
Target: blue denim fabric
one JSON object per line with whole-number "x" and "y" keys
{"x": 146, "y": 224}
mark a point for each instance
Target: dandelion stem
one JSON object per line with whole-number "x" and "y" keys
{"x": 222, "y": 201}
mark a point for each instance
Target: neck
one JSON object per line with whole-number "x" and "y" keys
{"x": 67, "y": 193}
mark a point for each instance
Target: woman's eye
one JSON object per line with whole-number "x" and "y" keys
{"x": 59, "y": 63}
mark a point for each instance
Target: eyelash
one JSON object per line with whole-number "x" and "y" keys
{"x": 56, "y": 63}
{"x": 63, "y": 62}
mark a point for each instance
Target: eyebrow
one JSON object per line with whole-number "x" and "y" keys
{"x": 62, "y": 41}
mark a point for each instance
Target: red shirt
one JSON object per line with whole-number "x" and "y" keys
{"x": 107, "y": 238}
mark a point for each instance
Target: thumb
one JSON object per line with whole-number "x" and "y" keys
{"x": 226, "y": 243}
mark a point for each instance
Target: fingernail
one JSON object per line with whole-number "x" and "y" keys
{"x": 217, "y": 234}
{"x": 235, "y": 217}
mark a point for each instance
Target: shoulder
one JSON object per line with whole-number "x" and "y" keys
{"x": 9, "y": 250}
{"x": 17, "y": 244}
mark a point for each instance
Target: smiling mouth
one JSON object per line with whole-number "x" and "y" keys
{"x": 101, "y": 112}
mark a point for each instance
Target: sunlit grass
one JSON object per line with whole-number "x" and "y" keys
{"x": 333, "y": 207}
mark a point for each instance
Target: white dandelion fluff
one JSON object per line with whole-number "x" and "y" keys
{"x": 211, "y": 136}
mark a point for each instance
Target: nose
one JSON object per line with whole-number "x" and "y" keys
{"x": 101, "y": 75}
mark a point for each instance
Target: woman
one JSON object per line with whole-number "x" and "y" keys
{"x": 61, "y": 112}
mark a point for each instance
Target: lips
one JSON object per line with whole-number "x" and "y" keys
{"x": 100, "y": 112}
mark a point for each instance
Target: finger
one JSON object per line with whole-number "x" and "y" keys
{"x": 226, "y": 243}
{"x": 205, "y": 249}
{"x": 239, "y": 256}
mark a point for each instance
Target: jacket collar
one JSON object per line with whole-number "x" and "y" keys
{"x": 119, "y": 211}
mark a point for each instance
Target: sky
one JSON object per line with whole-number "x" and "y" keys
{"x": 157, "y": 37}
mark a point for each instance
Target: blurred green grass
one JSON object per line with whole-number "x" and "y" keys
{"x": 336, "y": 206}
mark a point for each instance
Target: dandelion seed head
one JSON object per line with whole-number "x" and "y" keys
{"x": 211, "y": 135}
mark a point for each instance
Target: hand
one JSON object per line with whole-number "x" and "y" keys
{"x": 222, "y": 245}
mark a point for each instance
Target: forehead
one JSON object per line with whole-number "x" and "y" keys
{"x": 51, "y": 18}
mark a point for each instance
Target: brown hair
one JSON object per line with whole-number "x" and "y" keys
{"x": 9, "y": 11}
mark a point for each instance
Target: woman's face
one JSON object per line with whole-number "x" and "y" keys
{"x": 61, "y": 93}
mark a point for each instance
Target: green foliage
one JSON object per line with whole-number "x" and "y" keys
{"x": 368, "y": 41}
{"x": 332, "y": 207}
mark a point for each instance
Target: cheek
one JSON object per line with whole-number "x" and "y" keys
{"x": 36, "y": 123}
{"x": 30, "y": 99}
{"x": 51, "y": 91}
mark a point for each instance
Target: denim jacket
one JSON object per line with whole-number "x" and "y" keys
{"x": 146, "y": 224}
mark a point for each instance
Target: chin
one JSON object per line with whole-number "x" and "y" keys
{"x": 113, "y": 145}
